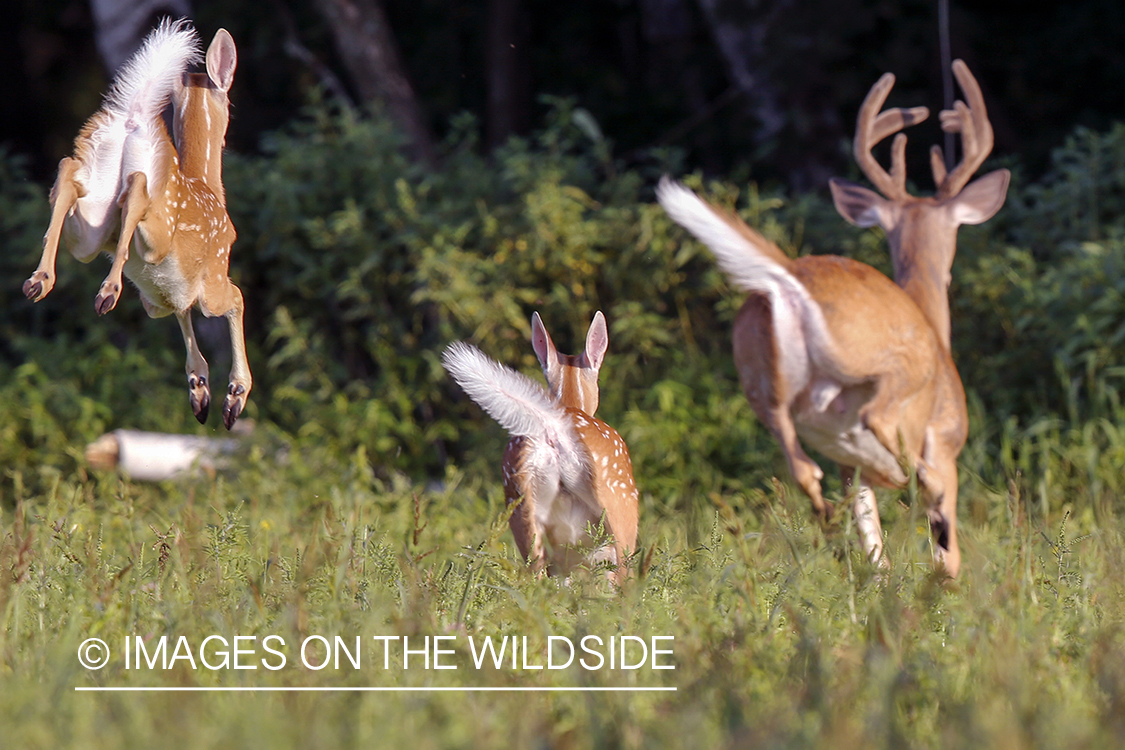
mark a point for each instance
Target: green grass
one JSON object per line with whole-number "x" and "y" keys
{"x": 783, "y": 636}
{"x": 327, "y": 524}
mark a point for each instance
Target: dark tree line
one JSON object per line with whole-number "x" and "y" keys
{"x": 771, "y": 85}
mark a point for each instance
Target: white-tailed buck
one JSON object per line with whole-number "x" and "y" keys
{"x": 569, "y": 472}
{"x": 832, "y": 352}
{"x": 160, "y": 214}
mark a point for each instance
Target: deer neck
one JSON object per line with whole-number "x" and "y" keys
{"x": 201, "y": 117}
{"x": 572, "y": 385}
{"x": 923, "y": 258}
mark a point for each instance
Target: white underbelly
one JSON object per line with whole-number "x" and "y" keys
{"x": 835, "y": 429}
{"x": 90, "y": 230}
{"x": 163, "y": 285}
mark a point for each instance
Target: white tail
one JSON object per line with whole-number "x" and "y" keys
{"x": 169, "y": 207}
{"x": 144, "y": 84}
{"x": 754, "y": 264}
{"x": 569, "y": 471}
{"x": 521, "y": 406}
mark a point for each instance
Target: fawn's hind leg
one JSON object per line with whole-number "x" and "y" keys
{"x": 135, "y": 203}
{"x": 519, "y": 488}
{"x": 64, "y": 195}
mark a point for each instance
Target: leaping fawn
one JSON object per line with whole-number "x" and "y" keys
{"x": 569, "y": 471}
{"x": 831, "y": 351}
{"x": 170, "y": 207}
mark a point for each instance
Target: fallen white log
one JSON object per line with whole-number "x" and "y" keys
{"x": 156, "y": 456}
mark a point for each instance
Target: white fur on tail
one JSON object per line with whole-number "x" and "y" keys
{"x": 518, "y": 403}
{"x": 144, "y": 84}
{"x": 796, "y": 315}
{"x": 143, "y": 89}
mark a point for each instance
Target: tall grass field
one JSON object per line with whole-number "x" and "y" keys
{"x": 333, "y": 581}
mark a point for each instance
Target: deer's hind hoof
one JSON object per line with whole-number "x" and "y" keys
{"x": 107, "y": 298}
{"x": 37, "y": 286}
{"x": 200, "y": 396}
{"x": 233, "y": 404}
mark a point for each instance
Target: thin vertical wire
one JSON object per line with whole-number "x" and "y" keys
{"x": 946, "y": 74}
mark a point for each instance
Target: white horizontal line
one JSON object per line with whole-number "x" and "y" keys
{"x": 293, "y": 689}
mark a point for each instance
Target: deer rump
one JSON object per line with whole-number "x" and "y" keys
{"x": 786, "y": 362}
{"x": 556, "y": 482}
{"x": 821, "y": 337}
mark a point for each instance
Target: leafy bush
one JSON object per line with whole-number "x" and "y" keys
{"x": 359, "y": 267}
{"x": 363, "y": 268}
{"x": 1080, "y": 199}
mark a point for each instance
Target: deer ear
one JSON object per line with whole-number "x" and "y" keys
{"x": 980, "y": 199}
{"x": 597, "y": 341}
{"x": 860, "y": 206}
{"x": 541, "y": 343}
{"x": 222, "y": 58}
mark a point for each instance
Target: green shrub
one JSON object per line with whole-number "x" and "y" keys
{"x": 359, "y": 268}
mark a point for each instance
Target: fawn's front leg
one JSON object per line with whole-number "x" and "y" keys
{"x": 238, "y": 392}
{"x": 135, "y": 203}
{"x": 199, "y": 390}
{"x": 65, "y": 193}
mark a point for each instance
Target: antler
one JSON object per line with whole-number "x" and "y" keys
{"x": 873, "y": 126}
{"x": 971, "y": 121}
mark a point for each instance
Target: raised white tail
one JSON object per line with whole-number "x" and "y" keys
{"x": 144, "y": 84}
{"x": 520, "y": 405}
{"x": 754, "y": 264}
{"x": 751, "y": 266}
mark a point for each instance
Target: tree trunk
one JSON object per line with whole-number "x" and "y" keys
{"x": 507, "y": 71}
{"x": 121, "y": 25}
{"x": 740, "y": 35}
{"x": 368, "y": 50}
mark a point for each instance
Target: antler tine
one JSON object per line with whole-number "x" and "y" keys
{"x": 937, "y": 164}
{"x": 894, "y": 120}
{"x": 871, "y": 128}
{"x": 971, "y": 121}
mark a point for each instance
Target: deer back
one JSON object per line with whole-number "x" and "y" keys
{"x": 202, "y": 114}
{"x": 187, "y": 218}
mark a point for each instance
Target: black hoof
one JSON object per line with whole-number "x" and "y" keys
{"x": 233, "y": 404}
{"x": 200, "y": 396}
{"x": 939, "y": 527}
{"x": 202, "y": 411}
{"x": 32, "y": 289}
{"x": 103, "y": 303}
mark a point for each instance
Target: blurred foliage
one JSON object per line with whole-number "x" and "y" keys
{"x": 1039, "y": 298}
{"x": 367, "y": 500}
{"x": 1080, "y": 198}
{"x": 358, "y": 269}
